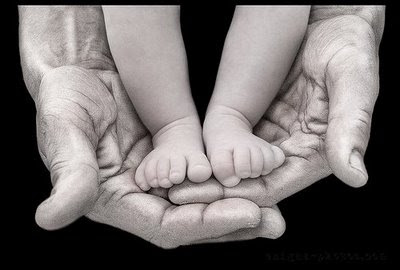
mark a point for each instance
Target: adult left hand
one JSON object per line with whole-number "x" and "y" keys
{"x": 321, "y": 118}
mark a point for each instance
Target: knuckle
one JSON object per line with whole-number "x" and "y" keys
{"x": 365, "y": 60}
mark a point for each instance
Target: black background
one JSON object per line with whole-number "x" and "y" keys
{"x": 327, "y": 222}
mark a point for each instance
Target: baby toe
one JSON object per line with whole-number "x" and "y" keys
{"x": 279, "y": 156}
{"x": 257, "y": 162}
{"x": 140, "y": 177}
{"x": 268, "y": 160}
{"x": 223, "y": 168}
{"x": 165, "y": 183}
{"x": 199, "y": 169}
{"x": 163, "y": 167}
{"x": 151, "y": 173}
{"x": 242, "y": 162}
{"x": 177, "y": 169}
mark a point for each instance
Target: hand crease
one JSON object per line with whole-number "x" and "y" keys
{"x": 332, "y": 57}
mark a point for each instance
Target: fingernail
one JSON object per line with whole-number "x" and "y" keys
{"x": 356, "y": 161}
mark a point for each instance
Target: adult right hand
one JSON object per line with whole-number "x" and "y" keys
{"x": 91, "y": 140}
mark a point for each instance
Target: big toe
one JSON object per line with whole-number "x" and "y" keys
{"x": 199, "y": 169}
{"x": 223, "y": 168}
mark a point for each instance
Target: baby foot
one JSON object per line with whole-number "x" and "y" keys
{"x": 178, "y": 152}
{"x": 234, "y": 152}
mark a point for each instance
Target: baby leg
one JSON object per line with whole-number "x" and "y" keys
{"x": 259, "y": 49}
{"x": 147, "y": 46}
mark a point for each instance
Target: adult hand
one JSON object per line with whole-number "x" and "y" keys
{"x": 92, "y": 141}
{"x": 321, "y": 118}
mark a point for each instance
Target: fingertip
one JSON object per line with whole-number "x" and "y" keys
{"x": 357, "y": 163}
{"x": 241, "y": 212}
{"x": 354, "y": 179}
{"x": 273, "y": 223}
{"x": 73, "y": 196}
{"x": 44, "y": 219}
{"x": 54, "y": 214}
{"x": 350, "y": 171}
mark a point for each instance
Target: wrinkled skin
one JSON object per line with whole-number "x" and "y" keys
{"x": 321, "y": 117}
{"x": 92, "y": 141}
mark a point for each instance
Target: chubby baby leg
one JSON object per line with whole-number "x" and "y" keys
{"x": 259, "y": 49}
{"x": 147, "y": 46}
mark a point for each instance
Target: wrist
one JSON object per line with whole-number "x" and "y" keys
{"x": 56, "y": 36}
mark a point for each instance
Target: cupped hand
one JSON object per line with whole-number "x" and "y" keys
{"x": 92, "y": 141}
{"x": 321, "y": 117}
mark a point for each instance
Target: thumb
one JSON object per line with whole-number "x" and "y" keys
{"x": 352, "y": 88}
{"x": 74, "y": 174}
{"x": 67, "y": 143}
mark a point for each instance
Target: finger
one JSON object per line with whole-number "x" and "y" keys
{"x": 168, "y": 226}
{"x": 272, "y": 226}
{"x": 352, "y": 83}
{"x": 71, "y": 160}
{"x": 294, "y": 175}
{"x": 189, "y": 192}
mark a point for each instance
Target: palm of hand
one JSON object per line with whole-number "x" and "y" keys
{"x": 92, "y": 141}
{"x": 93, "y": 104}
{"x": 305, "y": 120}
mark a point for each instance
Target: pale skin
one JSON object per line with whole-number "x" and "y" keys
{"x": 92, "y": 141}
{"x": 116, "y": 201}
{"x": 148, "y": 49}
{"x": 259, "y": 49}
{"x": 147, "y": 45}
